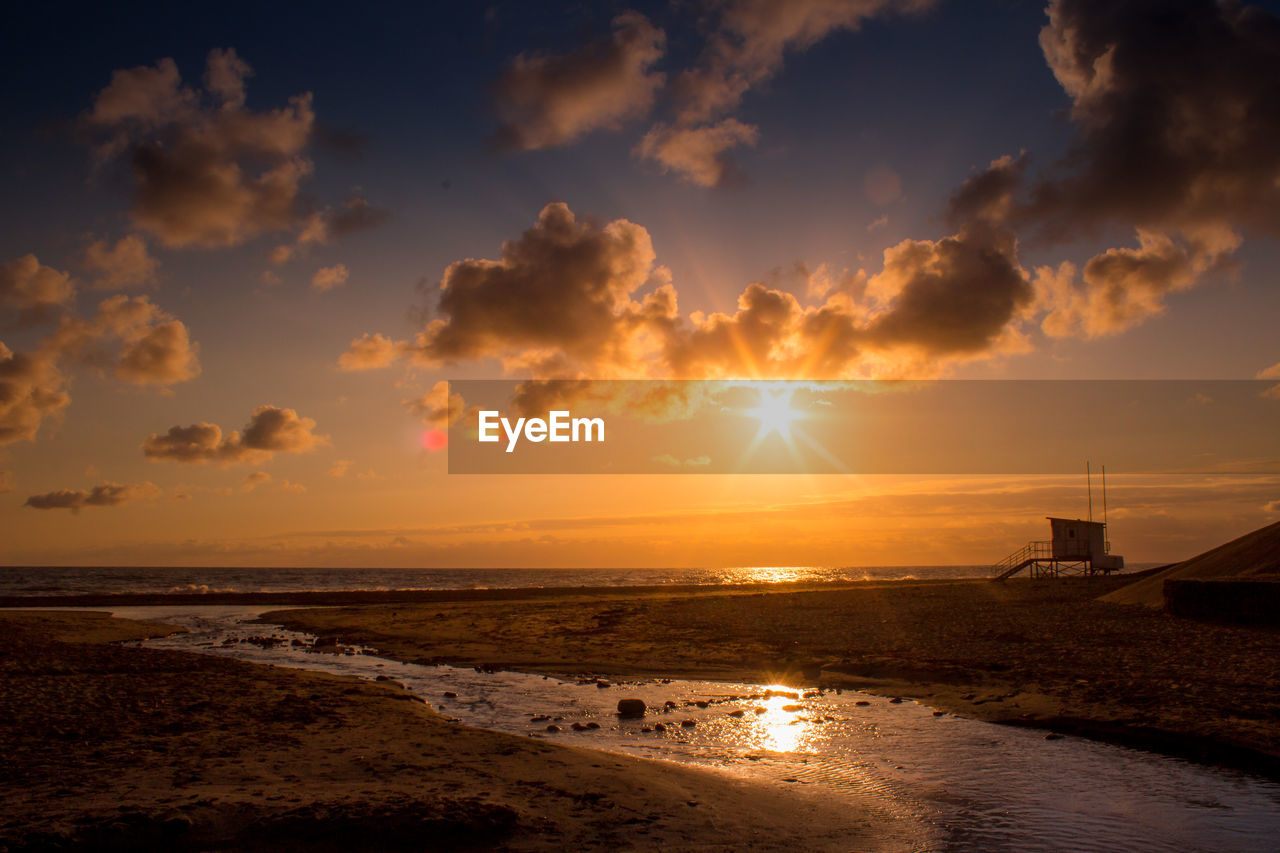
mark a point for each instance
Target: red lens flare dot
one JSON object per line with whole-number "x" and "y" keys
{"x": 434, "y": 439}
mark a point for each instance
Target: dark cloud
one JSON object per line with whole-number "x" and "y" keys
{"x": 563, "y": 301}
{"x": 547, "y": 99}
{"x": 270, "y": 430}
{"x": 955, "y": 296}
{"x": 559, "y": 295}
{"x": 1177, "y": 115}
{"x": 208, "y": 171}
{"x": 103, "y": 494}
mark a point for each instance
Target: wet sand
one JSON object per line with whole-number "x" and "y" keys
{"x": 109, "y": 746}
{"x": 1031, "y": 653}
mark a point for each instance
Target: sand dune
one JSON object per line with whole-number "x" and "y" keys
{"x": 1254, "y": 556}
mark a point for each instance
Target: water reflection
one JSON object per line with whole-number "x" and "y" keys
{"x": 783, "y": 727}
{"x": 958, "y": 784}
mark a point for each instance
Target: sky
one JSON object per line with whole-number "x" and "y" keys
{"x": 242, "y": 248}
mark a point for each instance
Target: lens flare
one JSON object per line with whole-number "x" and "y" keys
{"x": 434, "y": 439}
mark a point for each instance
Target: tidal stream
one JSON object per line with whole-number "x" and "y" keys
{"x": 965, "y": 784}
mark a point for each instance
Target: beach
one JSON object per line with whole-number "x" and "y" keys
{"x": 111, "y": 744}
{"x": 1025, "y": 652}
{"x": 114, "y": 747}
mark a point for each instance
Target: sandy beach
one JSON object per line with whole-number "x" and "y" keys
{"x": 116, "y": 747}
{"x": 1024, "y": 652}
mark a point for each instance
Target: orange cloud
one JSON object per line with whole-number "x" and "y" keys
{"x": 551, "y": 99}
{"x": 270, "y": 430}
{"x": 699, "y": 154}
{"x": 29, "y": 286}
{"x": 327, "y": 278}
{"x": 103, "y": 494}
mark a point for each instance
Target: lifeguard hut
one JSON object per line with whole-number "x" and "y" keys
{"x": 1077, "y": 546}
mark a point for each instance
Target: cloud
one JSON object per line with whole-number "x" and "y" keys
{"x": 548, "y": 99}
{"x": 956, "y": 295}
{"x": 438, "y": 407}
{"x": 27, "y": 285}
{"x": 322, "y": 227}
{"x": 746, "y": 48}
{"x": 270, "y": 430}
{"x": 568, "y": 299}
{"x": 698, "y": 155}
{"x": 255, "y": 479}
{"x": 126, "y": 264}
{"x": 155, "y": 348}
{"x": 1120, "y": 288}
{"x": 131, "y": 338}
{"x": 751, "y": 39}
{"x": 208, "y": 172}
{"x": 370, "y": 352}
{"x": 559, "y": 296}
{"x": 340, "y": 468}
{"x": 31, "y": 389}
{"x": 1272, "y": 372}
{"x": 1176, "y": 115}
{"x": 103, "y": 494}
{"x": 327, "y": 278}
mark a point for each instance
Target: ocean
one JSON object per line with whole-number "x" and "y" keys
{"x": 105, "y": 580}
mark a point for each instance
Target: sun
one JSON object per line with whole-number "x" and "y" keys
{"x": 775, "y": 413}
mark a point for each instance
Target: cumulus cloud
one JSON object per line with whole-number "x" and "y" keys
{"x": 1175, "y": 119}
{"x": 327, "y": 278}
{"x": 270, "y": 430}
{"x": 549, "y": 99}
{"x": 559, "y": 298}
{"x": 572, "y": 298}
{"x": 340, "y": 467}
{"x": 372, "y": 351}
{"x": 438, "y": 407}
{"x": 1118, "y": 288}
{"x": 32, "y": 388}
{"x": 1176, "y": 112}
{"x": 126, "y": 264}
{"x": 26, "y": 285}
{"x": 699, "y": 155}
{"x": 208, "y": 171}
{"x": 154, "y": 347}
{"x": 103, "y": 494}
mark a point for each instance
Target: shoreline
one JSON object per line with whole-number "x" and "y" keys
{"x": 116, "y": 747}
{"x": 955, "y": 686}
{"x": 965, "y": 647}
{"x": 351, "y": 597}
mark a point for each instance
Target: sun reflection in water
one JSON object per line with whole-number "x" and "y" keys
{"x": 780, "y": 730}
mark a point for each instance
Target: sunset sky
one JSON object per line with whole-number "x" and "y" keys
{"x": 242, "y": 245}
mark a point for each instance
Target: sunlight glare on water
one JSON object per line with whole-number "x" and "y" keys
{"x": 954, "y": 783}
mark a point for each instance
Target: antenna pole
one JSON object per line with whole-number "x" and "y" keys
{"x": 1088, "y": 478}
{"x": 1104, "y": 497}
